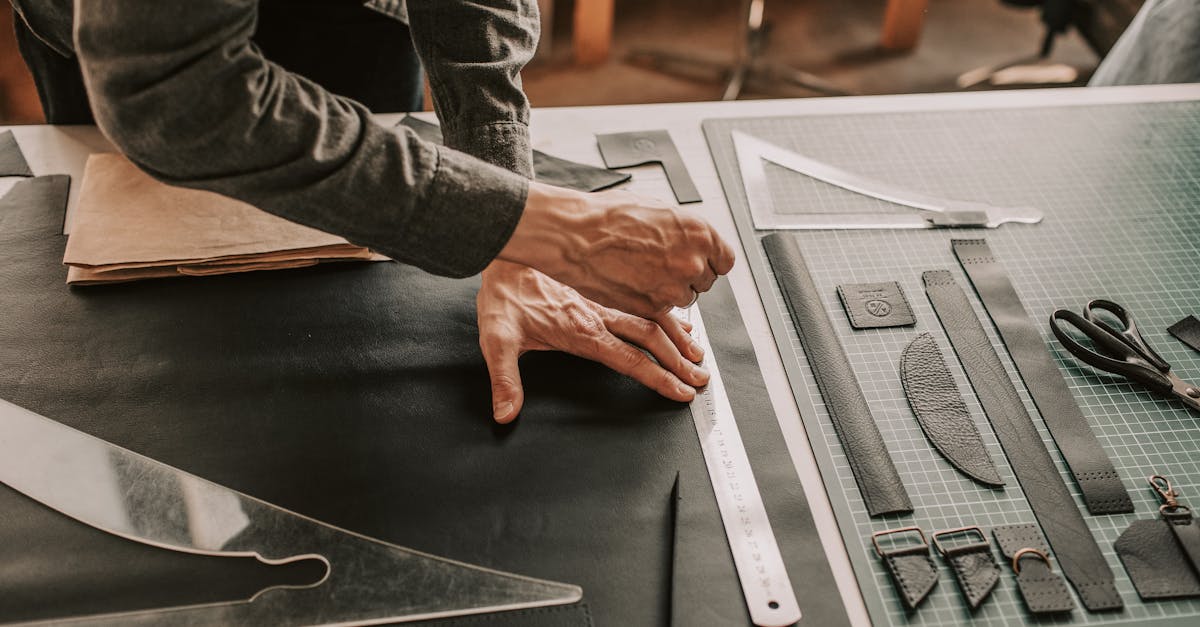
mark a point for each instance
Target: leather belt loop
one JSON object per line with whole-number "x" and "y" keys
{"x": 882, "y": 490}
{"x": 1103, "y": 491}
{"x": 1078, "y": 554}
{"x": 1042, "y": 589}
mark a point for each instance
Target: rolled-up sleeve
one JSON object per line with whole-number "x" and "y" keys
{"x": 473, "y": 52}
{"x": 180, "y": 89}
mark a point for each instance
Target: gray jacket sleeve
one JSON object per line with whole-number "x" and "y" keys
{"x": 473, "y": 52}
{"x": 182, "y": 91}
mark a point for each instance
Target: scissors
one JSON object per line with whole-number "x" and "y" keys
{"x": 1121, "y": 351}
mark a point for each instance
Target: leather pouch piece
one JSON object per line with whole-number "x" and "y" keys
{"x": 1187, "y": 331}
{"x": 12, "y": 160}
{"x": 356, "y": 394}
{"x": 1155, "y": 562}
{"x": 913, "y": 572}
{"x": 546, "y": 168}
{"x": 875, "y": 305}
{"x": 941, "y": 412}
{"x": 129, "y": 226}
{"x": 1078, "y": 554}
{"x": 625, "y": 150}
{"x": 1042, "y": 589}
{"x": 973, "y": 565}
{"x": 1102, "y": 489}
{"x": 876, "y": 475}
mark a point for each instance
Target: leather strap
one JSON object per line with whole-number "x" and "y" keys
{"x": 913, "y": 572}
{"x": 882, "y": 490}
{"x": 624, "y": 150}
{"x": 1187, "y": 533}
{"x": 1187, "y": 331}
{"x": 1078, "y": 554}
{"x": 973, "y": 565}
{"x": 941, "y": 412}
{"x": 1042, "y": 589}
{"x": 1157, "y": 566}
{"x": 1102, "y": 489}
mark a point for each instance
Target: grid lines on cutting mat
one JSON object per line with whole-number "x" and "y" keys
{"x": 1120, "y": 187}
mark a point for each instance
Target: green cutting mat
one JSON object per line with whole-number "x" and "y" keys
{"x": 1120, "y": 187}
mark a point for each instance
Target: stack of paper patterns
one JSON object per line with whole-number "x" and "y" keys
{"x": 129, "y": 226}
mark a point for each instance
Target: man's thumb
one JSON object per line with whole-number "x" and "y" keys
{"x": 507, "y": 395}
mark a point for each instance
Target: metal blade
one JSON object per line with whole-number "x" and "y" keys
{"x": 137, "y": 498}
{"x": 935, "y": 211}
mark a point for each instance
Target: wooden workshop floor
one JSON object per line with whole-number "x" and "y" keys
{"x": 835, "y": 39}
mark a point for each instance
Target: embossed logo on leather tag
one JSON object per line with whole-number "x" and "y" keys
{"x": 875, "y": 305}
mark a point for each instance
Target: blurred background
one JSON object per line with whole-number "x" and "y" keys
{"x": 641, "y": 51}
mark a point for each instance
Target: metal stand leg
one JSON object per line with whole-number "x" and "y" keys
{"x": 748, "y": 67}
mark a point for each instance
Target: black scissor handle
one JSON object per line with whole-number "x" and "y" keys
{"x": 1128, "y": 332}
{"x": 1112, "y": 353}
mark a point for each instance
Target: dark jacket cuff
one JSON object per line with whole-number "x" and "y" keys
{"x": 505, "y": 144}
{"x": 472, "y": 210}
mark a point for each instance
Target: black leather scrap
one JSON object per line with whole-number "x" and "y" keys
{"x": 546, "y": 168}
{"x": 356, "y": 394}
{"x": 12, "y": 160}
{"x": 1155, "y": 562}
{"x": 1187, "y": 331}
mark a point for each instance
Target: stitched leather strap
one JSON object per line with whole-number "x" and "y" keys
{"x": 882, "y": 490}
{"x": 1102, "y": 489}
{"x": 913, "y": 572}
{"x": 1155, "y": 563}
{"x": 973, "y": 566}
{"x": 941, "y": 412}
{"x": 1042, "y": 589}
{"x": 1078, "y": 554}
{"x": 1187, "y": 533}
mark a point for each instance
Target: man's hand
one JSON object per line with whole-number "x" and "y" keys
{"x": 619, "y": 249}
{"x": 521, "y": 309}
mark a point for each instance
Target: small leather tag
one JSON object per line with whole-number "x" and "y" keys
{"x": 1156, "y": 564}
{"x": 875, "y": 305}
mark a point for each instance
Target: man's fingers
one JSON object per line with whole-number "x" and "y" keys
{"x": 501, "y": 355}
{"x": 706, "y": 281}
{"x": 649, "y": 335}
{"x": 627, "y": 360}
{"x": 722, "y": 257}
{"x": 679, "y": 331}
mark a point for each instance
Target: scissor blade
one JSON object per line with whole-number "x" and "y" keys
{"x": 1187, "y": 392}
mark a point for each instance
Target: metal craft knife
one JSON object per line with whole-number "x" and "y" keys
{"x": 934, "y": 211}
{"x": 367, "y": 581}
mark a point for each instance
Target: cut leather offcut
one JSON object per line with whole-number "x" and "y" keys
{"x": 12, "y": 160}
{"x": 129, "y": 227}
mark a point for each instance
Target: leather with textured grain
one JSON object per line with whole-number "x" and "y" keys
{"x": 1042, "y": 589}
{"x": 976, "y": 571}
{"x": 941, "y": 412}
{"x": 1155, "y": 562}
{"x": 880, "y": 484}
{"x": 1102, "y": 489}
{"x": 1080, "y": 557}
{"x": 875, "y": 305}
{"x": 913, "y": 573}
{"x": 1187, "y": 532}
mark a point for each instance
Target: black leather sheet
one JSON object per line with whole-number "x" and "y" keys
{"x": 356, "y": 394}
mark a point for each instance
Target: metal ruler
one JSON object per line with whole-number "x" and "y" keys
{"x": 760, "y": 568}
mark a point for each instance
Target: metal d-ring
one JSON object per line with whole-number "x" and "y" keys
{"x": 1016, "y": 560}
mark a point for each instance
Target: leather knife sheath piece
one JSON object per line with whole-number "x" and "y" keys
{"x": 12, "y": 160}
{"x": 1080, "y": 557}
{"x": 882, "y": 490}
{"x": 1102, "y": 489}
{"x": 941, "y": 412}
